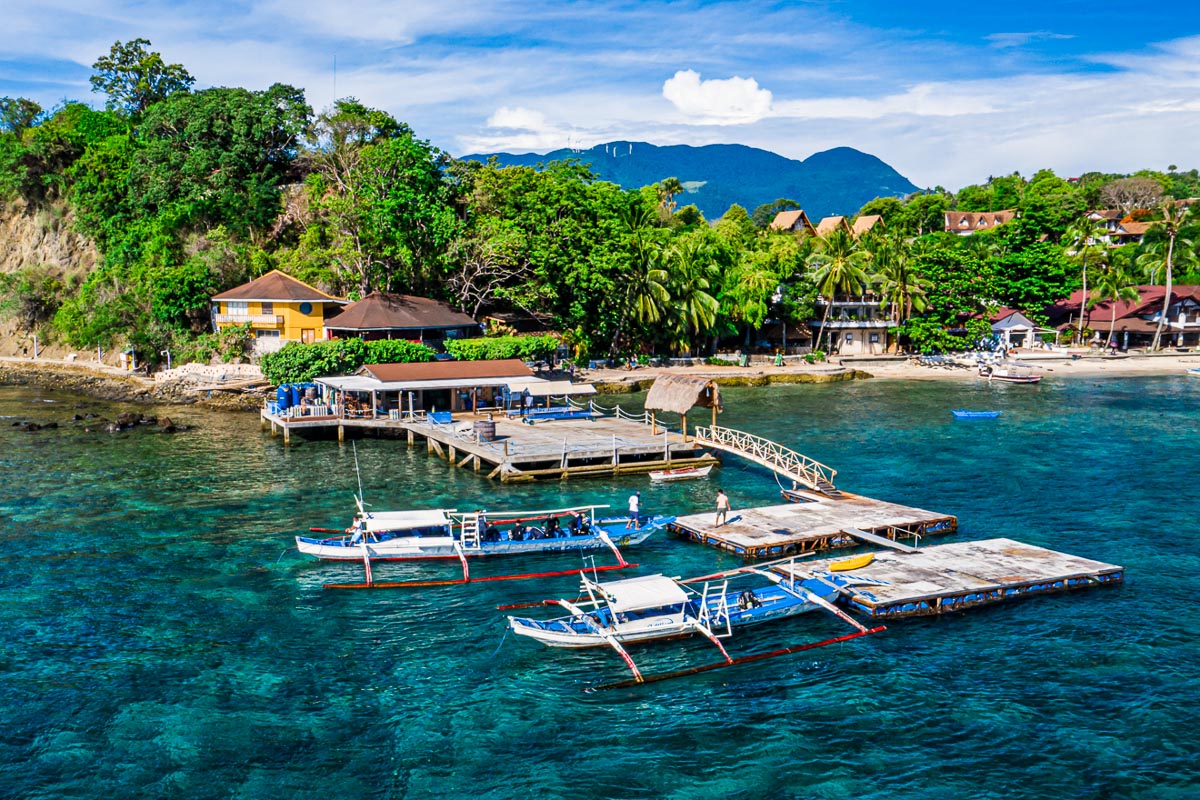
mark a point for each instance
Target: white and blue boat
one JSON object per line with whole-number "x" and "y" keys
{"x": 447, "y": 534}
{"x": 1194, "y": 372}
{"x": 962, "y": 413}
{"x": 655, "y": 607}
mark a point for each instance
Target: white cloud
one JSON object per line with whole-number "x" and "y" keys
{"x": 1006, "y": 40}
{"x": 731, "y": 101}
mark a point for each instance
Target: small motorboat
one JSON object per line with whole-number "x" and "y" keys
{"x": 1194, "y": 372}
{"x": 680, "y": 474}
{"x": 962, "y": 413}
{"x": 1009, "y": 373}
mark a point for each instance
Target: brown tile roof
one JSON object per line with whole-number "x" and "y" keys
{"x": 789, "y": 220}
{"x": 449, "y": 370}
{"x": 1112, "y": 214}
{"x": 830, "y": 224}
{"x": 275, "y": 286}
{"x": 1150, "y": 303}
{"x": 378, "y": 311}
{"x": 977, "y": 220}
{"x": 1132, "y": 228}
{"x": 865, "y": 223}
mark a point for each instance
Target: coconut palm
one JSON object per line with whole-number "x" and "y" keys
{"x": 837, "y": 267}
{"x": 1158, "y": 259}
{"x": 1083, "y": 241}
{"x": 1116, "y": 284}
{"x": 899, "y": 287}
{"x": 692, "y": 276}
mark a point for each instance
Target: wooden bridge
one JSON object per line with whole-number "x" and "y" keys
{"x": 779, "y": 459}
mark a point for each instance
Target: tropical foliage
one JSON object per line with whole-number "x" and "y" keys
{"x": 188, "y": 193}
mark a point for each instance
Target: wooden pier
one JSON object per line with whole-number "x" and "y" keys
{"x": 548, "y": 449}
{"x": 963, "y": 575}
{"x": 821, "y": 523}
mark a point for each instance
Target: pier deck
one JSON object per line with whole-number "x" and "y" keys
{"x": 821, "y": 523}
{"x": 962, "y": 575}
{"x": 554, "y": 449}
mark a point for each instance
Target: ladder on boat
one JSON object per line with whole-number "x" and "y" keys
{"x": 469, "y": 533}
{"x": 784, "y": 461}
{"x": 714, "y": 619}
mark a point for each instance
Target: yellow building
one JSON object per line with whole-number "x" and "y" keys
{"x": 279, "y": 309}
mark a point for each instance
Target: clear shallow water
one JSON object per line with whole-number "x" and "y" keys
{"x": 161, "y": 640}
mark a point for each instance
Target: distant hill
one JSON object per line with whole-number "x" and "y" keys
{"x": 835, "y": 181}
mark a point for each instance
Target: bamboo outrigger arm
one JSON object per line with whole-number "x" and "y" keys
{"x": 606, "y": 636}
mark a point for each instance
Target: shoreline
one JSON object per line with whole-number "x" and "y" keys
{"x": 104, "y": 382}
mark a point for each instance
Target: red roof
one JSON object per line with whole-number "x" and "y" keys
{"x": 380, "y": 312}
{"x": 449, "y": 370}
{"x": 1150, "y": 303}
{"x": 276, "y": 286}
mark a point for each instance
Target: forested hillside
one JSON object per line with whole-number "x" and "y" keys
{"x": 716, "y": 176}
{"x": 178, "y": 194}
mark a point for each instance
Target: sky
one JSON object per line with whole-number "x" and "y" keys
{"x": 947, "y": 93}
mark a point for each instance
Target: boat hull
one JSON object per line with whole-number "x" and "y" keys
{"x": 412, "y": 548}
{"x": 666, "y": 476}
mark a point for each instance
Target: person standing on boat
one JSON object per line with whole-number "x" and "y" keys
{"x": 635, "y": 512}
{"x": 722, "y": 507}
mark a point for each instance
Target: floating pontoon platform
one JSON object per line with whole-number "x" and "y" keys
{"x": 962, "y": 575}
{"x": 818, "y": 523}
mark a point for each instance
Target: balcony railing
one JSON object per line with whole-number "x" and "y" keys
{"x": 269, "y": 320}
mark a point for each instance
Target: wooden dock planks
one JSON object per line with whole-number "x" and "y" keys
{"x": 962, "y": 575}
{"x": 823, "y": 523}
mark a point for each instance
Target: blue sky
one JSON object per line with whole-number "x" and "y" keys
{"x": 948, "y": 93}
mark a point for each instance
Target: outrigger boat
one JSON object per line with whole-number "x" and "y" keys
{"x": 435, "y": 534}
{"x": 657, "y": 607}
{"x": 962, "y": 413}
{"x": 680, "y": 474}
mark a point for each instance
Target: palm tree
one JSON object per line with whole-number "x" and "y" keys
{"x": 645, "y": 293}
{"x": 1083, "y": 238}
{"x": 693, "y": 274}
{"x": 1156, "y": 261}
{"x": 899, "y": 286}
{"x": 1115, "y": 285}
{"x": 837, "y": 268}
{"x": 668, "y": 188}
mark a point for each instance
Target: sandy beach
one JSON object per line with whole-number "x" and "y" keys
{"x": 1051, "y": 365}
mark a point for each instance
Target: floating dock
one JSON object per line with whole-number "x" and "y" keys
{"x": 963, "y": 575}
{"x": 819, "y": 523}
{"x": 554, "y": 449}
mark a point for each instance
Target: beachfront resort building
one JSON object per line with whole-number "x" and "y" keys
{"x": 830, "y": 224}
{"x": 965, "y": 223}
{"x": 857, "y": 325}
{"x": 1133, "y": 323}
{"x": 865, "y": 224}
{"x": 278, "y": 308}
{"x": 401, "y": 316}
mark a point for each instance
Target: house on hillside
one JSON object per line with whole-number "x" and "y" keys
{"x": 857, "y": 325}
{"x": 1135, "y": 322}
{"x": 965, "y": 223}
{"x": 401, "y": 316}
{"x": 278, "y": 308}
{"x": 830, "y": 224}
{"x": 1011, "y": 328}
{"x": 865, "y": 224}
{"x": 792, "y": 221}
{"x": 1118, "y": 228}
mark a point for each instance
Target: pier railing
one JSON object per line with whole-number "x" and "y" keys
{"x": 772, "y": 455}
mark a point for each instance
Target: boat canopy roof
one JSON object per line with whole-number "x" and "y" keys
{"x": 649, "y": 591}
{"x": 405, "y": 520}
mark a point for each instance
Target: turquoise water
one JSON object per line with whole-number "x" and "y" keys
{"x": 161, "y": 640}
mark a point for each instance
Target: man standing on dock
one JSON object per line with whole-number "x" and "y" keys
{"x": 635, "y": 512}
{"x": 722, "y": 507}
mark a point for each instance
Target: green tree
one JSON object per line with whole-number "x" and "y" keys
{"x": 1114, "y": 285}
{"x": 838, "y": 267}
{"x": 18, "y": 114}
{"x": 1158, "y": 260}
{"x": 135, "y": 78}
{"x": 900, "y": 287}
{"x": 693, "y": 274}
{"x": 1083, "y": 241}
{"x": 764, "y": 215}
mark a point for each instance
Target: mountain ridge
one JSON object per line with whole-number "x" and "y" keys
{"x": 835, "y": 181}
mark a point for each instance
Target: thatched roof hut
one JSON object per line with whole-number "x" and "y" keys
{"x": 679, "y": 393}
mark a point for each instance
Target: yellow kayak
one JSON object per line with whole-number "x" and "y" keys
{"x": 847, "y": 564}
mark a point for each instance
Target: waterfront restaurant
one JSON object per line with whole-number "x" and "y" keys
{"x": 394, "y": 391}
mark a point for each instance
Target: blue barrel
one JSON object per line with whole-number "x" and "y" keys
{"x": 283, "y": 396}
{"x": 297, "y": 394}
